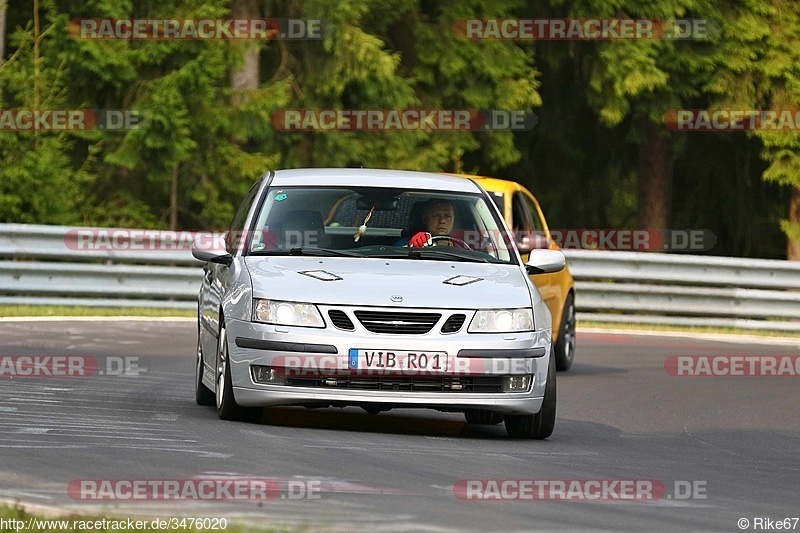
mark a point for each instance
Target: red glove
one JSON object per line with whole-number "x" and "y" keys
{"x": 423, "y": 238}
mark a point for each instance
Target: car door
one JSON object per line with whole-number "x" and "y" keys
{"x": 527, "y": 220}
{"x": 217, "y": 276}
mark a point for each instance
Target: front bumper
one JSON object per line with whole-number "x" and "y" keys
{"x": 251, "y": 344}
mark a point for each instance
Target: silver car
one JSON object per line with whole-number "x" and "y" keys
{"x": 315, "y": 298}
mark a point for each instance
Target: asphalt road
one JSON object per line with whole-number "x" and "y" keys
{"x": 621, "y": 416}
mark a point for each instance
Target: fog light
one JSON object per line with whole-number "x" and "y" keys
{"x": 516, "y": 383}
{"x": 267, "y": 376}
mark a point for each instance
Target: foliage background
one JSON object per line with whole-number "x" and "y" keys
{"x": 599, "y": 156}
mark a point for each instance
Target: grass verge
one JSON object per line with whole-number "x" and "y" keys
{"x": 45, "y": 310}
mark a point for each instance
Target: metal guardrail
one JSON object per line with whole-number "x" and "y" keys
{"x": 686, "y": 290}
{"x": 100, "y": 267}
{"x": 56, "y": 265}
{"x": 79, "y": 244}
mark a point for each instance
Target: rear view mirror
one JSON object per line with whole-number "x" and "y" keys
{"x": 532, "y": 241}
{"x": 364, "y": 203}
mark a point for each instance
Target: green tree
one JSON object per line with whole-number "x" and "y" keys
{"x": 38, "y": 179}
{"x": 759, "y": 67}
{"x": 750, "y": 61}
{"x": 400, "y": 54}
{"x": 599, "y": 156}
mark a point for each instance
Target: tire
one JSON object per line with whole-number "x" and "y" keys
{"x": 540, "y": 425}
{"x": 227, "y": 408}
{"x": 481, "y": 416}
{"x": 202, "y": 394}
{"x": 564, "y": 348}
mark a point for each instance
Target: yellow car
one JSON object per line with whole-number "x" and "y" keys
{"x": 524, "y": 216}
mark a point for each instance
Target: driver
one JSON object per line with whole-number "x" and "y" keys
{"x": 438, "y": 219}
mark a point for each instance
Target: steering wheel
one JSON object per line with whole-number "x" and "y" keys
{"x": 454, "y": 239}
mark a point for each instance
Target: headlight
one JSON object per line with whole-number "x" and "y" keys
{"x": 287, "y": 313}
{"x": 502, "y": 321}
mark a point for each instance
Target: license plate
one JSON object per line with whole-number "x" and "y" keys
{"x": 397, "y": 360}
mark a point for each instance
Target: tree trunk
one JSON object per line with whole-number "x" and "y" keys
{"x": 3, "y": 8}
{"x": 793, "y": 246}
{"x": 655, "y": 178}
{"x": 304, "y": 151}
{"x": 173, "y": 200}
{"x": 246, "y": 77}
{"x": 36, "y": 57}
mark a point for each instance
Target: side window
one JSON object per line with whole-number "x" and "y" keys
{"x": 521, "y": 220}
{"x": 533, "y": 213}
{"x": 236, "y": 230}
{"x": 530, "y": 230}
{"x": 499, "y": 201}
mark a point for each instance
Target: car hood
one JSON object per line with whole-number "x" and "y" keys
{"x": 381, "y": 282}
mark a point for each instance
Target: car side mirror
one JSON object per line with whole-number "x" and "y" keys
{"x": 532, "y": 241}
{"x": 545, "y": 262}
{"x": 211, "y": 249}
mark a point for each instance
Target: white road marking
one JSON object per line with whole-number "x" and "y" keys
{"x": 719, "y": 337}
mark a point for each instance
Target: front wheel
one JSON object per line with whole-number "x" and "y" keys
{"x": 564, "y": 348}
{"x": 227, "y": 408}
{"x": 202, "y": 394}
{"x": 540, "y": 425}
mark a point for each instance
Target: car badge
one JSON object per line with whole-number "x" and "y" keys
{"x": 397, "y": 298}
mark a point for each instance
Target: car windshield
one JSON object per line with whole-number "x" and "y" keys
{"x": 378, "y": 222}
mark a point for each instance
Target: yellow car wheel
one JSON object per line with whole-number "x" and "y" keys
{"x": 564, "y": 348}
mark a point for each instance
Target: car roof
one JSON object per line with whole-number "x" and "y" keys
{"x": 365, "y": 177}
{"x": 492, "y": 184}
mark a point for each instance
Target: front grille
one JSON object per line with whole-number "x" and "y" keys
{"x": 453, "y": 324}
{"x": 488, "y": 384}
{"x": 341, "y": 320}
{"x": 398, "y": 323}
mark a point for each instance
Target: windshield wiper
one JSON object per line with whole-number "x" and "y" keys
{"x": 308, "y": 250}
{"x": 417, "y": 253}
